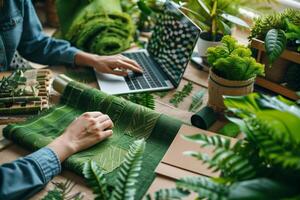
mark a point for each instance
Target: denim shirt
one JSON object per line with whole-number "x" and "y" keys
{"x": 26, "y": 176}
{"x": 21, "y": 30}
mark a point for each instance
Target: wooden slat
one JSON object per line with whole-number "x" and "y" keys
{"x": 287, "y": 54}
{"x": 280, "y": 89}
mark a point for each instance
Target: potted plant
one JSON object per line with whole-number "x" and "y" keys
{"x": 214, "y": 18}
{"x": 276, "y": 33}
{"x": 232, "y": 71}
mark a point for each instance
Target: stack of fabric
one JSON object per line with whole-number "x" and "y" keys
{"x": 96, "y": 26}
{"x": 131, "y": 122}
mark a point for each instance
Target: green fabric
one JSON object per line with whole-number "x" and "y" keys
{"x": 97, "y": 26}
{"x": 131, "y": 122}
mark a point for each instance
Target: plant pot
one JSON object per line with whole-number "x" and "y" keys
{"x": 218, "y": 87}
{"x": 277, "y": 72}
{"x": 204, "y": 43}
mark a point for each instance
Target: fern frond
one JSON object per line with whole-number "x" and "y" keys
{"x": 278, "y": 151}
{"x": 129, "y": 171}
{"x": 205, "y": 187}
{"x": 145, "y": 99}
{"x": 204, "y": 140}
{"x": 179, "y": 96}
{"x": 197, "y": 101}
{"x": 169, "y": 194}
{"x": 96, "y": 180}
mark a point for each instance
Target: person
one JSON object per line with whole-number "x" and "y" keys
{"x": 20, "y": 30}
{"x": 26, "y": 176}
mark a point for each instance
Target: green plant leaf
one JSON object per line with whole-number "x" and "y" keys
{"x": 197, "y": 101}
{"x": 96, "y": 180}
{"x": 205, "y": 187}
{"x": 144, "y": 7}
{"x": 235, "y": 20}
{"x": 169, "y": 194}
{"x": 204, "y": 140}
{"x": 275, "y": 43}
{"x": 204, "y": 7}
{"x": 129, "y": 171}
{"x": 230, "y": 129}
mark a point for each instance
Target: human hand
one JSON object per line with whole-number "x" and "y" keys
{"x": 84, "y": 132}
{"x": 116, "y": 64}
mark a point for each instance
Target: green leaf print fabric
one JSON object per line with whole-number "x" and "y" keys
{"x": 131, "y": 122}
{"x": 96, "y": 26}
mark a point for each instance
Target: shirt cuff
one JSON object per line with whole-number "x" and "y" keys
{"x": 69, "y": 56}
{"x": 48, "y": 162}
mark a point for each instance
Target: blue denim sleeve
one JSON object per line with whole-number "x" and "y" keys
{"x": 37, "y": 47}
{"x": 26, "y": 176}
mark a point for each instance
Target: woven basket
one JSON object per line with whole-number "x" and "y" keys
{"x": 52, "y": 18}
{"x": 217, "y": 87}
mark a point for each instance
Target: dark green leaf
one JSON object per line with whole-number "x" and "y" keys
{"x": 275, "y": 43}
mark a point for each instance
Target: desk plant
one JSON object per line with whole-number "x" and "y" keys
{"x": 232, "y": 72}
{"x": 263, "y": 165}
{"x": 279, "y": 31}
{"x": 214, "y": 18}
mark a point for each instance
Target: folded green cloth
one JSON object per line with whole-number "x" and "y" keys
{"x": 96, "y": 26}
{"x": 131, "y": 122}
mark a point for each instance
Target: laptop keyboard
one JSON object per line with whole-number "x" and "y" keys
{"x": 146, "y": 80}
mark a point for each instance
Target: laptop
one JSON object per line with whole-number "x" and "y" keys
{"x": 164, "y": 61}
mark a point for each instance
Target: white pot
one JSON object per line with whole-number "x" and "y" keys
{"x": 203, "y": 45}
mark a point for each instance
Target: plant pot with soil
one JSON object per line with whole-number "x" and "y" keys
{"x": 232, "y": 73}
{"x": 215, "y": 18}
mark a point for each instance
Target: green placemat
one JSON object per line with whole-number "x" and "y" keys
{"x": 131, "y": 122}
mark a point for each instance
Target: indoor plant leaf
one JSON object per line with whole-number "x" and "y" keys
{"x": 235, "y": 20}
{"x": 197, "y": 101}
{"x": 275, "y": 43}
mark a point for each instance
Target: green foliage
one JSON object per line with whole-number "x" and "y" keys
{"x": 197, "y": 101}
{"x": 214, "y": 16}
{"x": 230, "y": 129}
{"x": 145, "y": 99}
{"x": 161, "y": 94}
{"x": 62, "y": 191}
{"x": 293, "y": 77}
{"x": 129, "y": 171}
{"x": 293, "y": 34}
{"x": 96, "y": 180}
{"x": 275, "y": 43}
{"x": 179, "y": 96}
{"x": 84, "y": 75}
{"x": 233, "y": 61}
{"x": 263, "y": 165}
{"x": 168, "y": 194}
{"x": 124, "y": 188}
{"x": 274, "y": 21}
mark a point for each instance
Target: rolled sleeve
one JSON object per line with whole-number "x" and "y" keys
{"x": 48, "y": 162}
{"x": 37, "y": 47}
{"x": 26, "y": 176}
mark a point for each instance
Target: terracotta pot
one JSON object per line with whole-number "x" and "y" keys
{"x": 218, "y": 87}
{"x": 203, "y": 44}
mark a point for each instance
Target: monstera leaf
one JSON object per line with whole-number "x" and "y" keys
{"x": 275, "y": 43}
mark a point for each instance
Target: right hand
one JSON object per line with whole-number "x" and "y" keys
{"x": 84, "y": 132}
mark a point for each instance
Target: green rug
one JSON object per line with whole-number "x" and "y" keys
{"x": 96, "y": 26}
{"x": 131, "y": 122}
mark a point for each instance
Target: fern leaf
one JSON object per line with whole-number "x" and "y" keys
{"x": 204, "y": 140}
{"x": 96, "y": 180}
{"x": 129, "y": 171}
{"x": 205, "y": 187}
{"x": 275, "y": 43}
{"x": 169, "y": 194}
{"x": 179, "y": 96}
{"x": 197, "y": 101}
{"x": 145, "y": 99}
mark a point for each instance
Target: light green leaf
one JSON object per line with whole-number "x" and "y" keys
{"x": 235, "y": 20}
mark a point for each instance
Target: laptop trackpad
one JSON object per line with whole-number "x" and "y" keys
{"x": 112, "y": 84}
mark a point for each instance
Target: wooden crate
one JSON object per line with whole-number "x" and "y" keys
{"x": 275, "y": 87}
{"x": 34, "y": 104}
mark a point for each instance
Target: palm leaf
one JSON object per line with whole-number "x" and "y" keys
{"x": 129, "y": 171}
{"x": 275, "y": 43}
{"x": 96, "y": 180}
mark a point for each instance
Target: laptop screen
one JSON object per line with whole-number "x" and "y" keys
{"x": 172, "y": 42}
